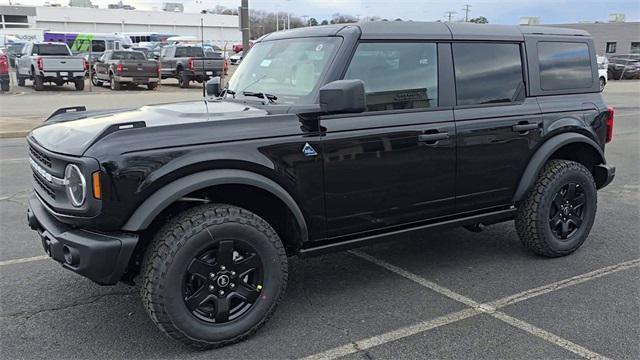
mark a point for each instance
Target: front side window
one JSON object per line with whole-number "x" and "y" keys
{"x": 289, "y": 69}
{"x": 397, "y": 75}
{"x": 487, "y": 73}
{"x": 564, "y": 65}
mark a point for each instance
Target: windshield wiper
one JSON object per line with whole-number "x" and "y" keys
{"x": 265, "y": 96}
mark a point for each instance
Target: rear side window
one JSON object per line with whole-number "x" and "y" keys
{"x": 564, "y": 65}
{"x": 487, "y": 73}
{"x": 397, "y": 75}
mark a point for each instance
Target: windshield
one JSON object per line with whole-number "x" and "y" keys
{"x": 127, "y": 55}
{"x": 289, "y": 68}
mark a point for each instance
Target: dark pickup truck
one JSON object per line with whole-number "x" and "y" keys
{"x": 188, "y": 63}
{"x": 118, "y": 67}
{"x": 326, "y": 138}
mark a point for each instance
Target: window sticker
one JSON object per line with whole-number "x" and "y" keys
{"x": 265, "y": 63}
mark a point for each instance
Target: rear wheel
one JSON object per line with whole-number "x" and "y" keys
{"x": 558, "y": 213}
{"x": 152, "y": 85}
{"x": 21, "y": 81}
{"x": 183, "y": 79}
{"x": 38, "y": 83}
{"x": 79, "y": 84}
{"x": 114, "y": 84}
{"x": 213, "y": 275}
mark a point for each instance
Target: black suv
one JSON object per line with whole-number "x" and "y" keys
{"x": 325, "y": 138}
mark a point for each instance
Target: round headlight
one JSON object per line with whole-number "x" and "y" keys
{"x": 76, "y": 185}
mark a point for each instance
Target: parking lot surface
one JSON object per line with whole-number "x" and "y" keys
{"x": 445, "y": 294}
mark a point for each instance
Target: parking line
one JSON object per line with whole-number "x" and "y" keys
{"x": 477, "y": 308}
{"x": 575, "y": 280}
{"x": 394, "y": 335}
{"x": 23, "y": 260}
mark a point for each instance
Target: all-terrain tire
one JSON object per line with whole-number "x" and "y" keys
{"x": 114, "y": 84}
{"x": 176, "y": 246}
{"x": 5, "y": 86}
{"x": 79, "y": 84}
{"x": 533, "y": 223}
{"x": 152, "y": 85}
{"x": 183, "y": 79}
{"x": 38, "y": 83}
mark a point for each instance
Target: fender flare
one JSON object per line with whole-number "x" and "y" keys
{"x": 543, "y": 154}
{"x": 168, "y": 194}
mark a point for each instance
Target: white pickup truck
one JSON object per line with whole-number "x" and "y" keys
{"x": 50, "y": 62}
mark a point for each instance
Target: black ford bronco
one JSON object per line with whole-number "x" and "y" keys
{"x": 325, "y": 138}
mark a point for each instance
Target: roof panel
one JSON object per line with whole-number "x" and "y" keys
{"x": 469, "y": 31}
{"x": 546, "y": 30}
{"x": 404, "y": 30}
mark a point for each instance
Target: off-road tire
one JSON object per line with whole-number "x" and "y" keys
{"x": 152, "y": 85}
{"x": 175, "y": 245}
{"x": 38, "y": 83}
{"x": 532, "y": 218}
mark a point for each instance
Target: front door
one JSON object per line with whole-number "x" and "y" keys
{"x": 394, "y": 164}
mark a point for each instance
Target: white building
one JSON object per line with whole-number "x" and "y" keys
{"x": 217, "y": 28}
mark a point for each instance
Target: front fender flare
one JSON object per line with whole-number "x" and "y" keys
{"x": 544, "y": 153}
{"x": 165, "y": 196}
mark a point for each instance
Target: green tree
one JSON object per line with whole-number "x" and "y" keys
{"x": 312, "y": 22}
{"x": 479, "y": 20}
{"x": 324, "y": 22}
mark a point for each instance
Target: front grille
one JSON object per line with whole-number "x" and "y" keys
{"x": 44, "y": 186}
{"x": 38, "y": 155}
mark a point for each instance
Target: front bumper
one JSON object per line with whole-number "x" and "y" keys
{"x": 100, "y": 257}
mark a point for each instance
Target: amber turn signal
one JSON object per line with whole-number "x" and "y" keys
{"x": 97, "y": 190}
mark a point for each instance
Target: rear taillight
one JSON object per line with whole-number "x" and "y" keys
{"x": 190, "y": 63}
{"x": 86, "y": 65}
{"x": 119, "y": 68}
{"x": 610, "y": 125}
{"x": 40, "y": 63}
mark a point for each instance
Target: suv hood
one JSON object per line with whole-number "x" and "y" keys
{"x": 73, "y": 133}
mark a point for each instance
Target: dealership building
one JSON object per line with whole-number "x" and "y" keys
{"x": 26, "y": 19}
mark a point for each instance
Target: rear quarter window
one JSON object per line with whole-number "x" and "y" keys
{"x": 564, "y": 65}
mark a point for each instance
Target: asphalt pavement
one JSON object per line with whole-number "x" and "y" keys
{"x": 445, "y": 294}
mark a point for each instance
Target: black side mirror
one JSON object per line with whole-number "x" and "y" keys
{"x": 213, "y": 86}
{"x": 343, "y": 96}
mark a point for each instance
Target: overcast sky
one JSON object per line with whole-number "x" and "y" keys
{"x": 498, "y": 12}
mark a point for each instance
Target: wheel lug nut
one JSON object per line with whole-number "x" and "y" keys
{"x": 222, "y": 267}
{"x": 233, "y": 273}
{"x": 212, "y": 275}
{"x": 212, "y": 288}
{"x": 221, "y": 292}
{"x": 232, "y": 285}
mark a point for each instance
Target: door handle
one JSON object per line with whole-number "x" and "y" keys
{"x": 524, "y": 128}
{"x": 432, "y": 139}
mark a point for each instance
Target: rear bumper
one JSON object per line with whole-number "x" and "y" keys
{"x": 604, "y": 175}
{"x": 100, "y": 257}
{"x": 136, "y": 80}
{"x": 64, "y": 75}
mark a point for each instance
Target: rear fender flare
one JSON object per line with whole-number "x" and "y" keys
{"x": 543, "y": 154}
{"x": 165, "y": 196}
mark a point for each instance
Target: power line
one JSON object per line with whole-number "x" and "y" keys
{"x": 450, "y": 13}
{"x": 466, "y": 9}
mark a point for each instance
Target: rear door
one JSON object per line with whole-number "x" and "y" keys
{"x": 498, "y": 125}
{"x": 394, "y": 164}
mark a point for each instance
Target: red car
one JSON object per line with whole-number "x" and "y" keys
{"x": 4, "y": 71}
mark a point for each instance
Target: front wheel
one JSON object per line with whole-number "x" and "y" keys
{"x": 213, "y": 275}
{"x": 558, "y": 213}
{"x": 603, "y": 82}
{"x": 152, "y": 85}
{"x": 113, "y": 83}
{"x": 94, "y": 80}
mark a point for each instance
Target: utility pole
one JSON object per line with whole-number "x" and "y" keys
{"x": 244, "y": 25}
{"x": 449, "y": 14}
{"x": 466, "y": 10}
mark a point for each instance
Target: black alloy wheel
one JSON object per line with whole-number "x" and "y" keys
{"x": 566, "y": 214}
{"x": 224, "y": 282}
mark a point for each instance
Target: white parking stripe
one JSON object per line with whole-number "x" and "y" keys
{"x": 552, "y": 338}
{"x": 491, "y": 307}
{"x": 528, "y": 294}
{"x": 394, "y": 335}
{"x": 2, "y": 161}
{"x": 23, "y": 260}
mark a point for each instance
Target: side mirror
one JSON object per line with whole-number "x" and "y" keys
{"x": 343, "y": 96}
{"x": 18, "y": 56}
{"x": 213, "y": 86}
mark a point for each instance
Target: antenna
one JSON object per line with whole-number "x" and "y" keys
{"x": 204, "y": 83}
